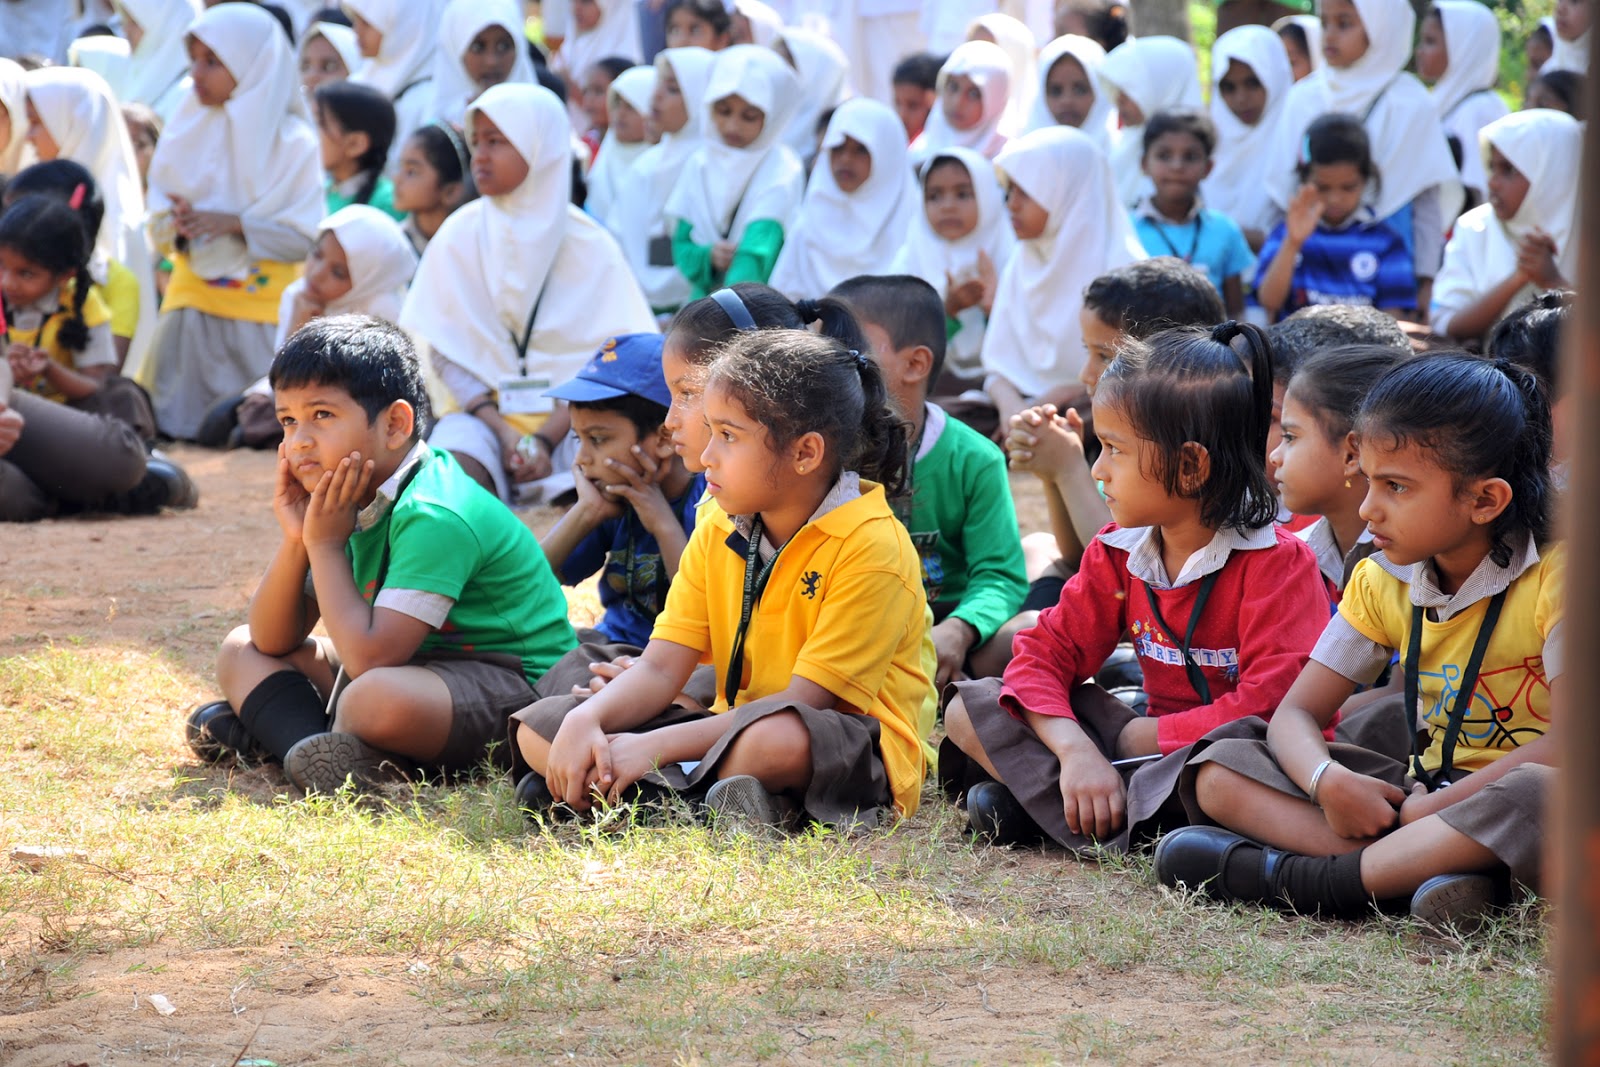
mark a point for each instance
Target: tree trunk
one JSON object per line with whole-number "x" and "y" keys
{"x": 1153, "y": 17}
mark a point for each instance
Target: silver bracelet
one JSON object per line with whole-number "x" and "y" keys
{"x": 1316, "y": 779}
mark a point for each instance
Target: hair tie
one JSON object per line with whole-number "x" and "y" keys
{"x": 75, "y": 202}
{"x": 808, "y": 310}
{"x": 1223, "y": 333}
{"x": 861, "y": 359}
{"x": 1305, "y": 150}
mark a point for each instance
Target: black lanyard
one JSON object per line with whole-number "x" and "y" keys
{"x": 1464, "y": 692}
{"x": 756, "y": 575}
{"x": 527, "y": 332}
{"x": 1161, "y": 231}
{"x": 388, "y": 523}
{"x": 1197, "y": 677}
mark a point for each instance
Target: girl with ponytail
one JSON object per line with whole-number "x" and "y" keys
{"x": 802, "y": 589}
{"x": 1466, "y": 587}
{"x": 1223, "y": 607}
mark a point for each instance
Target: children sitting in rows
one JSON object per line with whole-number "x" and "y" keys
{"x": 1250, "y": 80}
{"x": 1145, "y": 75}
{"x": 974, "y": 91}
{"x": 1071, "y": 92}
{"x": 355, "y": 125}
{"x": 480, "y": 46}
{"x": 398, "y": 41}
{"x": 434, "y": 177}
{"x": 915, "y": 85}
{"x": 627, "y": 138}
{"x": 1459, "y": 53}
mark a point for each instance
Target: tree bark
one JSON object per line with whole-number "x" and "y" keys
{"x": 1150, "y": 18}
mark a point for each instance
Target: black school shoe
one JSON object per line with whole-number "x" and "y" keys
{"x": 1194, "y": 857}
{"x": 1460, "y": 902}
{"x": 214, "y": 733}
{"x": 323, "y": 762}
{"x": 994, "y": 813}
{"x": 742, "y": 802}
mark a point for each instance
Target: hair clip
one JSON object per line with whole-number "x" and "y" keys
{"x": 75, "y": 202}
{"x": 862, "y": 361}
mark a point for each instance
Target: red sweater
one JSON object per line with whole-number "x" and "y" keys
{"x": 1265, "y": 613}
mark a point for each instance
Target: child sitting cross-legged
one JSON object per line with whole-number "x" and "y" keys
{"x": 439, "y": 607}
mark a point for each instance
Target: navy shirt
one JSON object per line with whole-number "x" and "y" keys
{"x": 634, "y": 584}
{"x": 1364, "y": 263}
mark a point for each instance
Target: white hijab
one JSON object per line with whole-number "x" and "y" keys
{"x": 616, "y": 34}
{"x": 990, "y": 70}
{"x": 638, "y": 215}
{"x": 936, "y": 260}
{"x": 461, "y": 21}
{"x": 343, "y": 40}
{"x": 1566, "y": 55}
{"x": 613, "y": 164}
{"x": 161, "y": 62}
{"x": 821, "y": 67}
{"x": 494, "y": 259}
{"x": 1408, "y": 143}
{"x": 765, "y": 23}
{"x": 1311, "y": 26}
{"x": 16, "y": 152}
{"x": 1234, "y": 186}
{"x": 381, "y": 263}
{"x": 1021, "y": 48}
{"x": 404, "y": 58}
{"x": 1102, "y": 117}
{"x": 1156, "y": 73}
{"x": 1033, "y": 339}
{"x": 723, "y": 189}
{"x": 838, "y": 235}
{"x": 1464, "y": 95}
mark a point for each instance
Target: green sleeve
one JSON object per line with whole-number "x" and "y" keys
{"x": 951, "y": 327}
{"x": 997, "y": 578}
{"x": 694, "y": 261}
{"x": 757, "y": 253}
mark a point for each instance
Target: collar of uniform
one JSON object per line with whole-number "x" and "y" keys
{"x": 32, "y": 316}
{"x": 1361, "y": 216}
{"x": 1147, "y": 209}
{"x": 373, "y": 513}
{"x": 1144, "y": 552}
{"x": 846, "y": 489}
{"x": 350, "y": 186}
{"x": 1319, "y": 536}
{"x": 933, "y": 420}
{"x": 1488, "y": 579}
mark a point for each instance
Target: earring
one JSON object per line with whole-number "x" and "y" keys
{"x": 1347, "y": 483}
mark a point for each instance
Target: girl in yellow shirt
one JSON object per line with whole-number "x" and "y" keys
{"x": 803, "y": 590}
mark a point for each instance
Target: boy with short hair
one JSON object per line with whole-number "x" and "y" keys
{"x": 916, "y": 87}
{"x": 1174, "y": 221}
{"x": 961, "y": 518}
{"x": 636, "y": 499}
{"x": 440, "y": 609}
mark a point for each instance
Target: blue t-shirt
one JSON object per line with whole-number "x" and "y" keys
{"x": 1364, "y": 263}
{"x": 1210, "y": 242}
{"x": 634, "y": 585}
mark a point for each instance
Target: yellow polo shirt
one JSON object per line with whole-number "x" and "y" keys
{"x": 844, "y": 609}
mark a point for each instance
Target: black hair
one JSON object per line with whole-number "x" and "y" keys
{"x": 142, "y": 115}
{"x": 281, "y": 14}
{"x": 1181, "y": 120}
{"x": 1104, "y": 21}
{"x": 614, "y": 65}
{"x": 645, "y": 414}
{"x": 920, "y": 69}
{"x": 712, "y": 12}
{"x": 1338, "y": 138}
{"x": 370, "y": 359}
{"x": 1568, "y": 85}
{"x": 1478, "y": 418}
{"x": 1152, "y": 295}
{"x": 46, "y": 231}
{"x": 905, "y": 307}
{"x": 359, "y": 108}
{"x": 448, "y": 154}
{"x": 1333, "y": 383}
{"x": 60, "y": 179}
{"x": 795, "y": 382}
{"x": 551, "y": 80}
{"x": 702, "y": 326}
{"x": 1530, "y": 337}
{"x": 580, "y": 183}
{"x": 1312, "y": 329}
{"x": 1212, "y": 388}
{"x": 1293, "y": 31}
{"x": 823, "y": 120}
{"x": 334, "y": 15}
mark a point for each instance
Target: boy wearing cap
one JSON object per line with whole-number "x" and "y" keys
{"x": 636, "y": 500}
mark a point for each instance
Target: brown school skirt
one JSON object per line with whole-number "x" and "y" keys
{"x": 849, "y": 784}
{"x": 1033, "y": 774}
{"x": 1506, "y": 817}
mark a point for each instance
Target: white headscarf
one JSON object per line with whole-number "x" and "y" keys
{"x": 161, "y": 62}
{"x": 765, "y": 23}
{"x": 1408, "y": 143}
{"x": 1155, "y": 73}
{"x": 1464, "y": 95}
{"x": 16, "y": 152}
{"x": 838, "y": 235}
{"x": 1566, "y": 55}
{"x": 343, "y": 40}
{"x": 496, "y": 258}
{"x": 461, "y": 21}
{"x": 990, "y": 70}
{"x": 1033, "y": 339}
{"x": 1546, "y": 147}
{"x": 723, "y": 189}
{"x": 381, "y": 263}
{"x": 1311, "y": 26}
{"x": 406, "y": 54}
{"x": 936, "y": 260}
{"x": 821, "y": 67}
{"x": 616, "y": 34}
{"x": 639, "y": 215}
{"x": 1101, "y": 121}
{"x": 1021, "y": 47}
{"x": 1234, "y": 186}
{"x": 613, "y": 164}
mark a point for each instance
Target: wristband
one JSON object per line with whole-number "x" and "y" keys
{"x": 549, "y": 445}
{"x": 486, "y": 402}
{"x": 1316, "y": 779}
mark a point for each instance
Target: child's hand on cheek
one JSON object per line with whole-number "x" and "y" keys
{"x": 593, "y": 505}
{"x": 722, "y": 254}
{"x": 331, "y": 511}
{"x": 642, "y": 489}
{"x": 289, "y": 499}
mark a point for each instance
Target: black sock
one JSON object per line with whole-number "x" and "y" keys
{"x": 282, "y": 711}
{"x": 1329, "y": 886}
{"x": 226, "y": 730}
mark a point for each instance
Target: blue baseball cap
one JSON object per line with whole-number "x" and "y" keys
{"x": 629, "y": 363}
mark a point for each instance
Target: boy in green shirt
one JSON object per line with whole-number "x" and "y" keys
{"x": 440, "y": 609}
{"x": 961, "y": 517}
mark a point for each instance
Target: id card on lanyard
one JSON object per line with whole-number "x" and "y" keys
{"x": 522, "y": 393}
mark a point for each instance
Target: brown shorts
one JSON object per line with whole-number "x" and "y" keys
{"x": 1033, "y": 774}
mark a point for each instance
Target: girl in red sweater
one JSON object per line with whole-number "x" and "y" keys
{"x": 1223, "y": 607}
